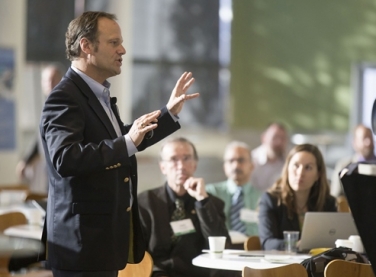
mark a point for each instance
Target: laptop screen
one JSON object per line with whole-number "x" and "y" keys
{"x": 322, "y": 229}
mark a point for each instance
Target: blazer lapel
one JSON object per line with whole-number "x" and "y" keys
{"x": 92, "y": 101}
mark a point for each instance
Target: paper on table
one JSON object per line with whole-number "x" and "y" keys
{"x": 285, "y": 259}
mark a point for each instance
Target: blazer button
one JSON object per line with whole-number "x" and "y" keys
{"x": 111, "y": 167}
{"x": 119, "y": 164}
{"x": 115, "y": 166}
{"x": 107, "y": 168}
{"x": 128, "y": 209}
{"x": 126, "y": 179}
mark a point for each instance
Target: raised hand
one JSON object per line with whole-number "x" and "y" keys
{"x": 196, "y": 188}
{"x": 178, "y": 95}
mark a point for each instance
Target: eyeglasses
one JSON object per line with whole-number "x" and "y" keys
{"x": 239, "y": 160}
{"x": 183, "y": 160}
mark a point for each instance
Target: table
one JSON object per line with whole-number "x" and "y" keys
{"x": 25, "y": 231}
{"x": 238, "y": 259}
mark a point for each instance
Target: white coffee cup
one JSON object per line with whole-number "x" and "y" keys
{"x": 357, "y": 244}
{"x": 216, "y": 246}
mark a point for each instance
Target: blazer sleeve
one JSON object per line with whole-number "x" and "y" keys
{"x": 66, "y": 124}
{"x": 269, "y": 222}
{"x": 212, "y": 219}
{"x": 166, "y": 125}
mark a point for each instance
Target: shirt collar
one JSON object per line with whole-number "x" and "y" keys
{"x": 172, "y": 195}
{"x": 232, "y": 187}
{"x": 360, "y": 158}
{"x": 96, "y": 87}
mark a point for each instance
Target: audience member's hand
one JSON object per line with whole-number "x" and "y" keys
{"x": 142, "y": 125}
{"x": 196, "y": 188}
{"x": 178, "y": 95}
{"x": 20, "y": 169}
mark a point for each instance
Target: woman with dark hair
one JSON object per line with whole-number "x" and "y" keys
{"x": 302, "y": 188}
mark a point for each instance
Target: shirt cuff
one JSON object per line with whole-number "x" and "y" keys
{"x": 200, "y": 204}
{"x": 174, "y": 117}
{"x": 131, "y": 148}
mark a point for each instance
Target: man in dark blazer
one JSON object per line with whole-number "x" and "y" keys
{"x": 92, "y": 226}
{"x": 173, "y": 249}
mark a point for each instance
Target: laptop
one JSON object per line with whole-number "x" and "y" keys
{"x": 322, "y": 229}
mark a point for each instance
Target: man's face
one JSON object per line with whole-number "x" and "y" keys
{"x": 106, "y": 53}
{"x": 178, "y": 163}
{"x": 275, "y": 139}
{"x": 363, "y": 142}
{"x": 238, "y": 165}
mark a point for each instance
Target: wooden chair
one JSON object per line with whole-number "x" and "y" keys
{"x": 342, "y": 204}
{"x": 35, "y": 196}
{"x": 11, "y": 219}
{"x": 143, "y": 269}
{"x": 291, "y": 270}
{"x": 7, "y": 220}
{"x": 341, "y": 268}
{"x": 252, "y": 243}
{"x": 22, "y": 187}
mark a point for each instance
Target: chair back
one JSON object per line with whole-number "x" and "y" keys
{"x": 291, "y": 270}
{"x": 8, "y": 220}
{"x": 11, "y": 219}
{"x": 143, "y": 269}
{"x": 342, "y": 204}
{"x": 342, "y": 268}
{"x": 35, "y": 196}
{"x": 252, "y": 243}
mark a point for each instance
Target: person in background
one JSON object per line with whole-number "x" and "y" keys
{"x": 240, "y": 197}
{"x": 302, "y": 188}
{"x": 32, "y": 167}
{"x": 182, "y": 197}
{"x": 92, "y": 224}
{"x": 269, "y": 157}
{"x": 363, "y": 146}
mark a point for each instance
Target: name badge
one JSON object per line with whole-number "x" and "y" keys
{"x": 248, "y": 215}
{"x": 182, "y": 227}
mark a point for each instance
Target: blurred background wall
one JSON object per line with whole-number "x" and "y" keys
{"x": 255, "y": 61}
{"x": 291, "y": 61}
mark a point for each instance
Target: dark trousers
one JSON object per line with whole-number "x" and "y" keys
{"x": 67, "y": 273}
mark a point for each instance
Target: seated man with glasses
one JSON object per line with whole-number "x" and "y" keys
{"x": 178, "y": 217}
{"x": 240, "y": 197}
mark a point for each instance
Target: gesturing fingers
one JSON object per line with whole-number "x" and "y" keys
{"x": 147, "y": 119}
{"x": 178, "y": 95}
{"x": 142, "y": 126}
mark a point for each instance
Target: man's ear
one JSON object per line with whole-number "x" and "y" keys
{"x": 85, "y": 45}
{"x": 162, "y": 167}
